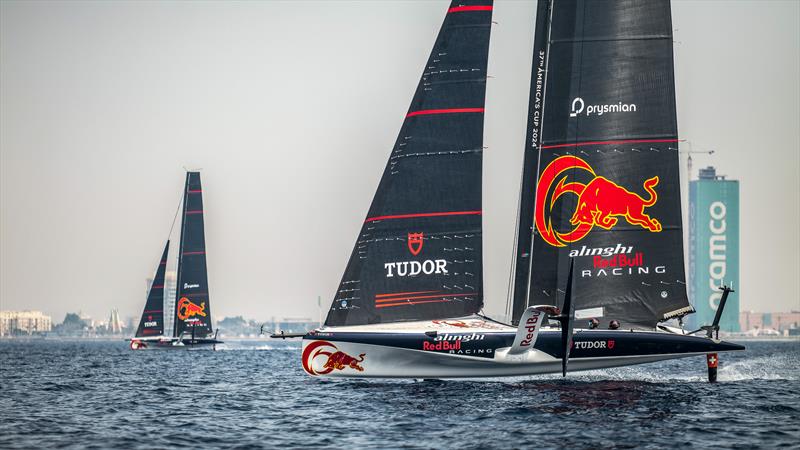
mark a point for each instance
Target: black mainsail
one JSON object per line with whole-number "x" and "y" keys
{"x": 419, "y": 253}
{"x": 152, "y": 321}
{"x": 607, "y": 191}
{"x": 192, "y": 305}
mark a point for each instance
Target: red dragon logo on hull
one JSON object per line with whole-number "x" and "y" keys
{"x": 600, "y": 202}
{"x": 337, "y": 360}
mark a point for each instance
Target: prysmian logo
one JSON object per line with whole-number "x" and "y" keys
{"x": 579, "y": 106}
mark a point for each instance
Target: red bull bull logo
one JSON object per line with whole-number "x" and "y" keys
{"x": 601, "y": 202}
{"x": 187, "y": 309}
{"x": 334, "y": 358}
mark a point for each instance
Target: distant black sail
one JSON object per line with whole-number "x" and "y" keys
{"x": 418, "y": 256}
{"x": 193, "y": 306}
{"x": 607, "y": 193}
{"x": 152, "y": 321}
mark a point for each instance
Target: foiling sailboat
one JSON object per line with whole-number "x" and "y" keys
{"x": 598, "y": 262}
{"x": 192, "y": 308}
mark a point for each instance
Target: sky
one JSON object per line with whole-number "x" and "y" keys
{"x": 291, "y": 109}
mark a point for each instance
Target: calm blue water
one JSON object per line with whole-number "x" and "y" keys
{"x": 251, "y": 395}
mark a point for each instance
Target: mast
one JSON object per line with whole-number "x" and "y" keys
{"x": 607, "y": 192}
{"x": 419, "y": 253}
{"x": 522, "y": 252}
{"x": 192, "y": 300}
{"x": 152, "y": 320}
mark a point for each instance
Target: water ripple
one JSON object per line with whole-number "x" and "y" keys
{"x": 88, "y": 394}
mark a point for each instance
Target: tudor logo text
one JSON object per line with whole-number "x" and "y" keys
{"x": 593, "y": 344}
{"x": 415, "y": 241}
{"x": 414, "y": 268}
{"x": 579, "y": 106}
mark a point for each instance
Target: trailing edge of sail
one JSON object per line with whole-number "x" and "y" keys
{"x": 607, "y": 193}
{"x": 192, "y": 301}
{"x": 152, "y": 321}
{"x": 419, "y": 252}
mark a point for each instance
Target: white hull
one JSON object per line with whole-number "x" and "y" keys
{"x": 476, "y": 352}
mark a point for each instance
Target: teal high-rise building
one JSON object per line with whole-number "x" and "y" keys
{"x": 713, "y": 248}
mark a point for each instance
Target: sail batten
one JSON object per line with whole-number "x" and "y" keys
{"x": 423, "y": 228}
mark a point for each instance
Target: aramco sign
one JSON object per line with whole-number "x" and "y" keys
{"x": 714, "y": 248}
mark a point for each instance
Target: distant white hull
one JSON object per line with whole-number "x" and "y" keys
{"x": 171, "y": 343}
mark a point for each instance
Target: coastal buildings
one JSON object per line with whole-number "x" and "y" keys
{"x": 24, "y": 322}
{"x": 713, "y": 248}
{"x": 780, "y": 323}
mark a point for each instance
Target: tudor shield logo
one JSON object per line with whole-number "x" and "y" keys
{"x": 415, "y": 241}
{"x": 601, "y": 202}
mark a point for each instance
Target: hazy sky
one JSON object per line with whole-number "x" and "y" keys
{"x": 291, "y": 109}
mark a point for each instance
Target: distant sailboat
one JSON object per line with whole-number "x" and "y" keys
{"x": 192, "y": 316}
{"x": 602, "y": 127}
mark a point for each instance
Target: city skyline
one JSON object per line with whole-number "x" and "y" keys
{"x": 104, "y": 104}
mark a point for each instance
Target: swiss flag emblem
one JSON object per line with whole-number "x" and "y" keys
{"x": 415, "y": 241}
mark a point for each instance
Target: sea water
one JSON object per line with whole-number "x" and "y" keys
{"x": 90, "y": 394}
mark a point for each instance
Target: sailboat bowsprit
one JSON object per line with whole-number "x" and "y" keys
{"x": 192, "y": 317}
{"x": 599, "y": 231}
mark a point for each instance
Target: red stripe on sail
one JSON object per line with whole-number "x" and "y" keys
{"x": 469, "y": 8}
{"x": 426, "y": 112}
{"x": 629, "y": 141}
{"x": 198, "y": 211}
{"x": 153, "y": 311}
{"x": 194, "y": 253}
{"x": 194, "y": 191}
{"x": 158, "y": 286}
{"x": 434, "y": 214}
{"x": 414, "y": 303}
{"x": 402, "y": 293}
{"x": 415, "y": 297}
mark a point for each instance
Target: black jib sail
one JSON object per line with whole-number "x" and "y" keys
{"x": 418, "y": 256}
{"x": 152, "y": 321}
{"x": 607, "y": 190}
{"x": 192, "y": 305}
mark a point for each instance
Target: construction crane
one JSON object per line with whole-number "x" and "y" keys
{"x": 691, "y": 152}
